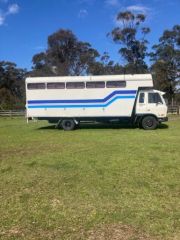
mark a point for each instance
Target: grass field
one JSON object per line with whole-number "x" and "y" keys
{"x": 98, "y": 182}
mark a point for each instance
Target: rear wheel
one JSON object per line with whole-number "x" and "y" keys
{"x": 149, "y": 123}
{"x": 68, "y": 124}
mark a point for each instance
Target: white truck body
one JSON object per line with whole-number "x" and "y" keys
{"x": 91, "y": 97}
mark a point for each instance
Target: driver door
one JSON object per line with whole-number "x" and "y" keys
{"x": 141, "y": 106}
{"x": 155, "y": 104}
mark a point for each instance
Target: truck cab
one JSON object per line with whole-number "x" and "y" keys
{"x": 151, "y": 108}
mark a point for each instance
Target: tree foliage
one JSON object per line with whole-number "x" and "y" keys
{"x": 133, "y": 48}
{"x": 166, "y": 61}
{"x": 65, "y": 55}
{"x": 105, "y": 66}
{"x": 11, "y": 84}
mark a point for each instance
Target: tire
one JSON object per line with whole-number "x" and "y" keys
{"x": 68, "y": 124}
{"x": 149, "y": 123}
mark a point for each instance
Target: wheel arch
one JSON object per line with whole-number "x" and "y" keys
{"x": 140, "y": 117}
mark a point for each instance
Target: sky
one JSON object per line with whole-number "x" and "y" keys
{"x": 26, "y": 24}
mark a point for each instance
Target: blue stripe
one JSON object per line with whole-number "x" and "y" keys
{"x": 84, "y": 106}
{"x": 84, "y": 100}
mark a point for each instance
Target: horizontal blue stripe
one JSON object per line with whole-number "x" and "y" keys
{"x": 83, "y": 106}
{"x": 84, "y": 100}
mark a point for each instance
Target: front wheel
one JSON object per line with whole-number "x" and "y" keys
{"x": 149, "y": 123}
{"x": 68, "y": 124}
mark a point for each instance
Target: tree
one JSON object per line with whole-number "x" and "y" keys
{"x": 65, "y": 55}
{"x": 105, "y": 66}
{"x": 133, "y": 49}
{"x": 166, "y": 62}
{"x": 11, "y": 84}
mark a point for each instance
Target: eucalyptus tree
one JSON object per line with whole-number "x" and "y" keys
{"x": 11, "y": 84}
{"x": 131, "y": 36}
{"x": 166, "y": 62}
{"x": 65, "y": 55}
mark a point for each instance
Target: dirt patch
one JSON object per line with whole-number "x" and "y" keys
{"x": 13, "y": 232}
{"x": 117, "y": 232}
{"x": 55, "y": 203}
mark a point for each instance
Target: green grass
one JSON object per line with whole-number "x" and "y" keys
{"x": 61, "y": 185}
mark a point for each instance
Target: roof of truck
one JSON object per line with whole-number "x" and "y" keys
{"x": 128, "y": 77}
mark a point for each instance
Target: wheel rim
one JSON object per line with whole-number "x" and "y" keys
{"x": 149, "y": 123}
{"x": 68, "y": 124}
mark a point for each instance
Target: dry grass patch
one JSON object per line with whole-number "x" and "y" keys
{"x": 117, "y": 232}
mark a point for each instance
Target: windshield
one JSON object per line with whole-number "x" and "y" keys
{"x": 154, "y": 98}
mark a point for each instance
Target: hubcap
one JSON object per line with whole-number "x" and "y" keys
{"x": 149, "y": 123}
{"x": 68, "y": 124}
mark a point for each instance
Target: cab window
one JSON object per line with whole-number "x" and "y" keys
{"x": 154, "y": 98}
{"x": 141, "y": 98}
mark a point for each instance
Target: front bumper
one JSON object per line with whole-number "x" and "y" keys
{"x": 164, "y": 119}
